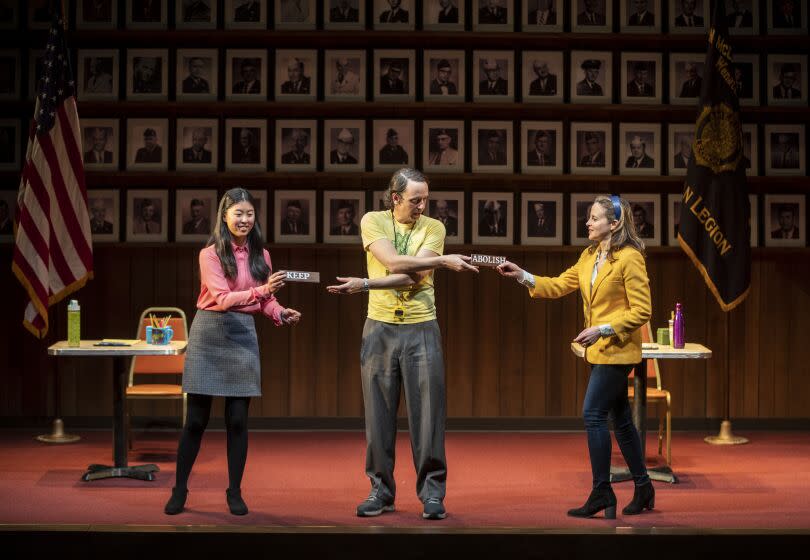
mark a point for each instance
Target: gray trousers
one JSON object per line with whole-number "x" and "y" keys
{"x": 407, "y": 356}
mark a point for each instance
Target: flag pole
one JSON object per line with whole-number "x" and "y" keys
{"x": 726, "y": 435}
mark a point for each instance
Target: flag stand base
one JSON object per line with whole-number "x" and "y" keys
{"x": 58, "y": 434}
{"x": 725, "y": 437}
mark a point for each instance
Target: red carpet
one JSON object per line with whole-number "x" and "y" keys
{"x": 316, "y": 479}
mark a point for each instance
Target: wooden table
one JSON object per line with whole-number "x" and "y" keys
{"x": 121, "y": 356}
{"x": 691, "y": 351}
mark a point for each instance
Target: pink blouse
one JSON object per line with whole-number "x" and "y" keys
{"x": 243, "y": 294}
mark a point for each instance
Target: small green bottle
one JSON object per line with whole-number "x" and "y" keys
{"x": 74, "y": 323}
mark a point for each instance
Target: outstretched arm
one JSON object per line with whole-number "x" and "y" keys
{"x": 424, "y": 261}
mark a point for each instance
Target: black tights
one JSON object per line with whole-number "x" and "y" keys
{"x": 199, "y": 410}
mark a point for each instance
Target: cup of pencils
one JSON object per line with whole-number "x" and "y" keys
{"x": 159, "y": 332}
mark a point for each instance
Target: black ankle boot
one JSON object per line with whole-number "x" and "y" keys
{"x": 600, "y": 499}
{"x": 177, "y": 502}
{"x": 643, "y": 498}
{"x": 235, "y": 502}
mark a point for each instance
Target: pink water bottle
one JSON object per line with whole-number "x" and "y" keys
{"x": 678, "y": 339}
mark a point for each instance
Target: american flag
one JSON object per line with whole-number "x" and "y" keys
{"x": 53, "y": 254}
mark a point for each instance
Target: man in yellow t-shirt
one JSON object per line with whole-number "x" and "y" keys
{"x": 402, "y": 344}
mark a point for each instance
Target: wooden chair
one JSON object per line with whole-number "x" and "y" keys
{"x": 657, "y": 395}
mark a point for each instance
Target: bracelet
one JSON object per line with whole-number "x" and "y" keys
{"x": 365, "y": 284}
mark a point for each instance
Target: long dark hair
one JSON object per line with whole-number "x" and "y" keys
{"x": 625, "y": 234}
{"x": 222, "y": 239}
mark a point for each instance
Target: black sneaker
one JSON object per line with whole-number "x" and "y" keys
{"x": 373, "y": 506}
{"x": 434, "y": 509}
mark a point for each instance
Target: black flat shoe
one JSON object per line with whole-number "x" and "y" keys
{"x": 235, "y": 502}
{"x": 643, "y": 498}
{"x": 599, "y": 500}
{"x": 177, "y": 502}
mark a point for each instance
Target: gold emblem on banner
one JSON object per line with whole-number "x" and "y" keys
{"x": 718, "y": 138}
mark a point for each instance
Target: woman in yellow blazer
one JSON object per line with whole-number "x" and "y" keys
{"x": 612, "y": 279}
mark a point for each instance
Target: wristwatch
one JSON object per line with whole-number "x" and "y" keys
{"x": 605, "y": 330}
{"x": 365, "y": 284}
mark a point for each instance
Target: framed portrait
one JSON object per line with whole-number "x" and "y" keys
{"x": 246, "y": 74}
{"x": 245, "y": 14}
{"x": 742, "y": 17}
{"x": 394, "y": 14}
{"x": 541, "y": 147}
{"x": 493, "y": 15}
{"x": 641, "y": 78}
{"x": 10, "y": 145}
{"x": 785, "y": 217}
{"x": 641, "y": 149}
{"x": 543, "y": 76}
{"x": 542, "y": 16}
{"x": 245, "y": 145}
{"x": 195, "y": 14}
{"x": 10, "y": 74}
{"x": 591, "y": 77}
{"x": 689, "y": 16}
{"x": 295, "y": 14}
{"x": 146, "y": 14}
{"x": 443, "y": 146}
{"x": 36, "y": 70}
{"x": 686, "y": 71}
{"x": 646, "y": 209}
{"x": 342, "y": 211}
{"x": 147, "y": 148}
{"x": 378, "y": 200}
{"x": 39, "y": 14}
{"x": 96, "y": 14}
{"x": 344, "y": 75}
{"x": 541, "y": 218}
{"x": 444, "y": 76}
{"x": 296, "y": 75}
{"x": 195, "y": 211}
{"x": 443, "y": 15}
{"x": 492, "y": 150}
{"x": 147, "y": 74}
{"x": 344, "y": 145}
{"x": 9, "y": 15}
{"x": 580, "y": 209}
{"x": 681, "y": 137}
{"x": 750, "y": 150}
{"x": 197, "y": 146}
{"x": 640, "y": 16}
{"x": 197, "y": 76}
{"x": 8, "y": 202}
{"x": 787, "y": 17}
{"x": 260, "y": 211}
{"x": 100, "y": 140}
{"x": 394, "y": 75}
{"x": 295, "y": 220}
{"x": 784, "y": 149}
{"x": 746, "y": 78}
{"x": 493, "y": 76}
{"x": 344, "y": 14}
{"x": 393, "y": 144}
{"x": 448, "y": 208}
{"x": 592, "y": 16}
{"x": 296, "y": 145}
{"x": 147, "y": 216}
{"x": 98, "y": 74}
{"x": 591, "y": 148}
{"x": 787, "y": 79}
{"x": 492, "y": 218}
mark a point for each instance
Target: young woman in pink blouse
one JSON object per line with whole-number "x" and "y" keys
{"x": 222, "y": 359}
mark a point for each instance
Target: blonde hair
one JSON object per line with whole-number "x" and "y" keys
{"x": 623, "y": 235}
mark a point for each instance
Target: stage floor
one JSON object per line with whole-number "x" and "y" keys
{"x": 496, "y": 480}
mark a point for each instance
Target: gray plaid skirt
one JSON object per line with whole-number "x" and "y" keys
{"x": 222, "y": 358}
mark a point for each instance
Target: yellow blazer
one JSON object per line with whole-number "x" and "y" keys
{"x": 620, "y": 297}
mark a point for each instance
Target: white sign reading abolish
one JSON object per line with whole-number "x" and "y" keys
{"x": 299, "y": 276}
{"x": 486, "y": 260}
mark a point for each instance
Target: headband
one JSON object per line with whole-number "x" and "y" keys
{"x": 617, "y": 206}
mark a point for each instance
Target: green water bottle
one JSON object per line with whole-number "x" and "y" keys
{"x": 74, "y": 323}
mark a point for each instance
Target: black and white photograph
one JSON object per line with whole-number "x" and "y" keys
{"x": 742, "y": 17}
{"x": 344, "y": 14}
{"x": 10, "y": 145}
{"x": 785, "y": 220}
{"x": 491, "y": 149}
{"x": 197, "y": 144}
{"x": 344, "y": 145}
{"x": 787, "y": 17}
{"x": 197, "y": 76}
{"x": 394, "y": 14}
{"x": 580, "y": 208}
{"x": 102, "y": 205}
{"x": 492, "y": 218}
{"x": 296, "y": 75}
{"x": 147, "y": 144}
{"x": 100, "y": 141}
{"x": 541, "y": 218}
{"x": 674, "y": 205}
{"x": 393, "y": 145}
{"x": 784, "y": 149}
{"x": 543, "y": 76}
{"x": 195, "y": 14}
{"x": 493, "y": 76}
{"x": 443, "y": 14}
{"x": 541, "y": 147}
{"x": 444, "y": 78}
{"x": 750, "y": 150}
{"x": 646, "y": 210}
{"x": 689, "y": 16}
{"x": 96, "y": 14}
{"x": 787, "y": 79}
{"x": 443, "y": 146}
{"x": 591, "y": 77}
{"x": 146, "y": 14}
{"x": 394, "y": 75}
{"x": 245, "y": 145}
{"x": 8, "y": 202}
{"x": 641, "y": 78}
{"x": 245, "y": 14}
{"x": 147, "y": 216}
{"x": 591, "y": 148}
{"x": 10, "y": 14}
{"x": 542, "y": 16}
{"x": 98, "y": 74}
{"x": 591, "y": 16}
{"x": 295, "y": 14}
{"x": 246, "y": 74}
{"x": 295, "y": 219}
{"x": 640, "y": 152}
{"x": 36, "y": 70}
{"x": 296, "y": 145}
{"x": 9, "y": 74}
{"x": 679, "y": 141}
{"x": 194, "y": 213}
{"x": 378, "y": 200}
{"x": 260, "y": 206}
{"x": 147, "y": 74}
{"x": 746, "y": 78}
{"x": 493, "y": 15}
{"x": 640, "y": 16}
{"x": 344, "y": 75}
{"x": 342, "y": 211}
{"x": 686, "y": 71}
{"x": 39, "y": 14}
{"x": 448, "y": 208}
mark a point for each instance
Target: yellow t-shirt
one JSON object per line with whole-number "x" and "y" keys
{"x": 418, "y": 304}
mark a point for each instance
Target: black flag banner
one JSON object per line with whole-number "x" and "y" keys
{"x": 714, "y": 228}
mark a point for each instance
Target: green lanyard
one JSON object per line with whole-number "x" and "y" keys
{"x": 401, "y": 241}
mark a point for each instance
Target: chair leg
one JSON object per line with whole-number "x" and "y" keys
{"x": 660, "y": 426}
{"x": 669, "y": 437}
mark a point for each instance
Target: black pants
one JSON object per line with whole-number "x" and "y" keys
{"x": 199, "y": 411}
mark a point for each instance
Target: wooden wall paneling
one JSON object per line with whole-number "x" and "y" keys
{"x": 714, "y": 330}
{"x": 325, "y": 343}
{"x": 512, "y": 332}
{"x": 555, "y": 343}
{"x": 572, "y": 324}
{"x": 304, "y": 298}
{"x": 351, "y": 317}
{"x": 795, "y": 392}
{"x": 535, "y": 340}
{"x": 750, "y": 339}
{"x": 772, "y": 355}
{"x": 459, "y": 291}
{"x": 787, "y": 303}
{"x": 486, "y": 390}
{"x": 276, "y": 354}
{"x": 694, "y": 298}
{"x": 668, "y": 277}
